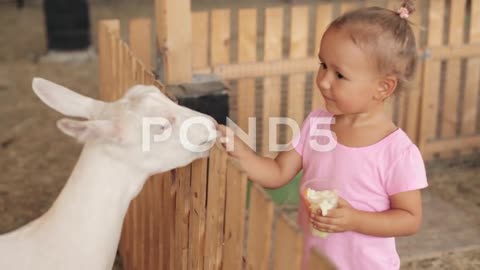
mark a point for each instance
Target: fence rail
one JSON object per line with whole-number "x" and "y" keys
{"x": 265, "y": 53}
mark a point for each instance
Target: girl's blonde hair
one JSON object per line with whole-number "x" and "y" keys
{"x": 387, "y": 36}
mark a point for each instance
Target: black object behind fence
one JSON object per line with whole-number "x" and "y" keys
{"x": 68, "y": 25}
{"x": 210, "y": 98}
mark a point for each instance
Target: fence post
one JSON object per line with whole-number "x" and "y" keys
{"x": 174, "y": 40}
{"x": 139, "y": 39}
{"x": 108, "y": 30}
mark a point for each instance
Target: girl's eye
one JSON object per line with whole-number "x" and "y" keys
{"x": 340, "y": 76}
{"x": 323, "y": 66}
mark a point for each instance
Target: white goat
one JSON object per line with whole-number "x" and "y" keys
{"x": 81, "y": 230}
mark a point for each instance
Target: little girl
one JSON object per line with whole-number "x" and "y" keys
{"x": 366, "y": 56}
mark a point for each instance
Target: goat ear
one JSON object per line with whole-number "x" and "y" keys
{"x": 91, "y": 130}
{"x": 65, "y": 100}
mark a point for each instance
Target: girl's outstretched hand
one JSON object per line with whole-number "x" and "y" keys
{"x": 340, "y": 219}
{"x": 234, "y": 145}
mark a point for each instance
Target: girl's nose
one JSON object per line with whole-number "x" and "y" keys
{"x": 323, "y": 81}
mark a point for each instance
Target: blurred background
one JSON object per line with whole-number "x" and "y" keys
{"x": 58, "y": 40}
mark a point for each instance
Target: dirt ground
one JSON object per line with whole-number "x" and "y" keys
{"x": 35, "y": 158}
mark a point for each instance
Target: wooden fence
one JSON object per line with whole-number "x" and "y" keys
{"x": 269, "y": 56}
{"x": 195, "y": 217}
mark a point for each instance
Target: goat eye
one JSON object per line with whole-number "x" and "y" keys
{"x": 159, "y": 129}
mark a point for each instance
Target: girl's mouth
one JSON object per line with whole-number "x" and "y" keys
{"x": 327, "y": 98}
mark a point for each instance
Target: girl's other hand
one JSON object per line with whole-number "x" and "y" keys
{"x": 340, "y": 219}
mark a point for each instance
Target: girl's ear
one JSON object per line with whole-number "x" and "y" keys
{"x": 386, "y": 87}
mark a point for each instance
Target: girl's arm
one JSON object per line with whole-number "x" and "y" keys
{"x": 267, "y": 172}
{"x": 272, "y": 173}
{"x": 403, "y": 218}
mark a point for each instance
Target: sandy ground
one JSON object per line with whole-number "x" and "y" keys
{"x": 35, "y": 158}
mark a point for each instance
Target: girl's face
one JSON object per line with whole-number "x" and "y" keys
{"x": 348, "y": 78}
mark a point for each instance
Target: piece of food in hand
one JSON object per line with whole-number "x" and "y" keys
{"x": 324, "y": 200}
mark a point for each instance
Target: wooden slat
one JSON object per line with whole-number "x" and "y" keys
{"x": 247, "y": 47}
{"x": 130, "y": 81}
{"x": 149, "y": 78}
{"x": 174, "y": 38}
{"x": 109, "y": 31}
{"x": 168, "y": 235}
{"x": 157, "y": 224}
{"x": 453, "y": 51}
{"x": 259, "y": 229}
{"x": 215, "y": 209}
{"x": 115, "y": 85}
{"x": 271, "y": 85}
{"x": 318, "y": 261}
{"x": 462, "y": 143}
{"x": 103, "y": 47}
{"x": 200, "y": 39}
{"x": 470, "y": 109}
{"x": 236, "y": 197}
{"x": 475, "y": 20}
{"x": 374, "y": 3}
{"x": 197, "y": 214}
{"x": 393, "y": 5}
{"x": 288, "y": 245}
{"x": 431, "y": 75}
{"x": 138, "y": 76}
{"x": 220, "y": 36}
{"x": 298, "y": 50}
{"x": 452, "y": 82}
{"x": 347, "y": 6}
{"x": 148, "y": 239}
{"x": 159, "y": 209}
{"x": 324, "y": 15}
{"x": 182, "y": 210}
{"x": 121, "y": 69}
{"x": 139, "y": 39}
{"x": 263, "y": 69}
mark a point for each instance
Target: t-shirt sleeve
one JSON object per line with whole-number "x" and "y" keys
{"x": 298, "y": 141}
{"x": 407, "y": 173}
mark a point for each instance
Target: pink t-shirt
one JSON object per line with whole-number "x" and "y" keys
{"x": 365, "y": 177}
